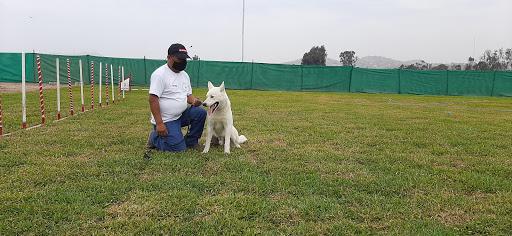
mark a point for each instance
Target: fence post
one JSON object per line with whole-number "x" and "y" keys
{"x": 493, "y": 83}
{"x": 145, "y": 76}
{"x": 447, "y": 81}
{"x": 399, "y": 83}
{"x": 350, "y": 78}
{"x": 198, "y": 72}
{"x": 252, "y": 74}
{"x": 301, "y": 77}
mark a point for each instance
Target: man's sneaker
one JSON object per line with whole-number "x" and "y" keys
{"x": 149, "y": 145}
{"x": 196, "y": 147}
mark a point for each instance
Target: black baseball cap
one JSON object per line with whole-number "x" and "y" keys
{"x": 178, "y": 50}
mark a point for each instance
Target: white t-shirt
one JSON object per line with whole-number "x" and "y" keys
{"x": 172, "y": 90}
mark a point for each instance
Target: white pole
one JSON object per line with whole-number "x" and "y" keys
{"x": 123, "y": 80}
{"x": 81, "y": 85}
{"x": 23, "y": 95}
{"x": 112, "y": 80}
{"x": 58, "y": 88}
{"x": 100, "y": 84}
{"x": 243, "y": 28}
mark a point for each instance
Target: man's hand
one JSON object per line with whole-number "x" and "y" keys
{"x": 161, "y": 130}
{"x": 197, "y": 103}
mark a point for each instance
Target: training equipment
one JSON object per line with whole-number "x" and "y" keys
{"x": 92, "y": 85}
{"x": 81, "y": 86}
{"x": 70, "y": 90}
{"x": 106, "y": 81}
{"x": 23, "y": 93}
{"x": 40, "y": 88}
{"x": 58, "y": 89}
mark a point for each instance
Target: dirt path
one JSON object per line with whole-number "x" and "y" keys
{"x": 30, "y": 87}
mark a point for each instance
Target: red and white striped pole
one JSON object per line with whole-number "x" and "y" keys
{"x": 119, "y": 88}
{"x": 112, "y": 82}
{"x": 81, "y": 86}
{"x": 92, "y": 85}
{"x": 122, "y": 76}
{"x": 40, "y": 88}
{"x": 106, "y": 80}
{"x": 70, "y": 90}
{"x": 99, "y": 94}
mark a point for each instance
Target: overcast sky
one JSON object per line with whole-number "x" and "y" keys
{"x": 275, "y": 30}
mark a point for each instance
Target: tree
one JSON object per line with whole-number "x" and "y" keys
{"x": 348, "y": 58}
{"x": 316, "y": 56}
{"x": 196, "y": 58}
{"x": 440, "y": 67}
{"x": 482, "y": 65}
{"x": 422, "y": 65}
{"x": 471, "y": 63}
{"x": 496, "y": 60}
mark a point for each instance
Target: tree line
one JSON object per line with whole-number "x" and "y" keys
{"x": 500, "y": 59}
{"x": 317, "y": 57}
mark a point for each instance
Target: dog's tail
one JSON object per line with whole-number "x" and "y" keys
{"x": 242, "y": 139}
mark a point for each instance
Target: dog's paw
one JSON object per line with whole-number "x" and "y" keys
{"x": 205, "y": 151}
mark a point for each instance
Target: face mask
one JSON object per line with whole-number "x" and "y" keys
{"x": 179, "y": 66}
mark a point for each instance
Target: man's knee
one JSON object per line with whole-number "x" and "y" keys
{"x": 200, "y": 113}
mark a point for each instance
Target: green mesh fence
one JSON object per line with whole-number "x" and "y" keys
{"x": 423, "y": 82}
{"x": 502, "y": 84}
{"x": 470, "y": 83}
{"x": 239, "y": 75}
{"x": 374, "y": 81}
{"x": 326, "y": 78}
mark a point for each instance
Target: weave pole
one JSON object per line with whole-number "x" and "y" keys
{"x": 112, "y": 78}
{"x": 81, "y": 85}
{"x": 100, "y": 85}
{"x": 1, "y": 113}
{"x": 106, "y": 81}
{"x": 123, "y": 82}
{"x": 70, "y": 90}
{"x": 119, "y": 88}
{"x": 40, "y": 88}
{"x": 58, "y": 88}
{"x": 92, "y": 85}
{"x": 23, "y": 94}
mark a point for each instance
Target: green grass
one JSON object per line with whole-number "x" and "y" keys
{"x": 315, "y": 163}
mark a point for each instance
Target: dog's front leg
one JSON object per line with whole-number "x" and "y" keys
{"x": 209, "y": 134}
{"x": 227, "y": 140}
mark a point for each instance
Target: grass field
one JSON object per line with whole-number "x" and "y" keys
{"x": 315, "y": 163}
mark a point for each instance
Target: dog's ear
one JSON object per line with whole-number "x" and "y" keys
{"x": 210, "y": 85}
{"x": 222, "y": 87}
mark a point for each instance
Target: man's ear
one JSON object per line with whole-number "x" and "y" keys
{"x": 222, "y": 87}
{"x": 210, "y": 85}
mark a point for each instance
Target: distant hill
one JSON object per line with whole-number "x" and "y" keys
{"x": 371, "y": 62}
{"x": 377, "y": 62}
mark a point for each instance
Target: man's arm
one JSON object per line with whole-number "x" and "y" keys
{"x": 154, "y": 105}
{"x": 192, "y": 100}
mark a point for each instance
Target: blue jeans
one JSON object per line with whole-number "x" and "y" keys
{"x": 171, "y": 142}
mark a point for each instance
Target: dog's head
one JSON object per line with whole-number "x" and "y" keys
{"x": 215, "y": 98}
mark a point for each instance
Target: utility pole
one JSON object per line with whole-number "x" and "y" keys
{"x": 243, "y": 30}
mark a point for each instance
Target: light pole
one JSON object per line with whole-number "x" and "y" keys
{"x": 243, "y": 24}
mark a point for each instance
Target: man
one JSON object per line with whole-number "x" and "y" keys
{"x": 169, "y": 93}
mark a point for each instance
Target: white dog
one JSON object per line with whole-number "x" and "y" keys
{"x": 220, "y": 119}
